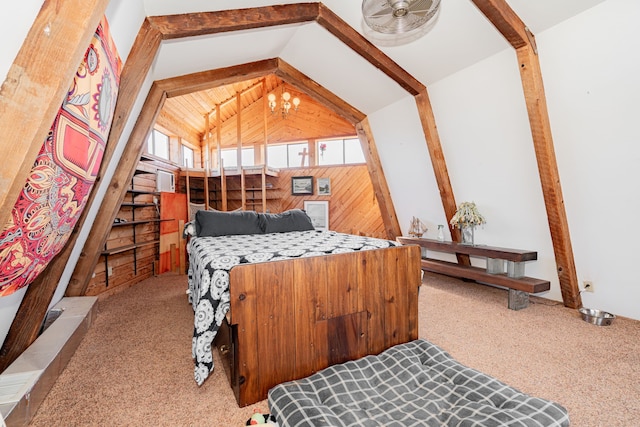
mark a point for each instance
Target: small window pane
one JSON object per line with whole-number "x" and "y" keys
{"x": 298, "y": 155}
{"x": 248, "y": 158}
{"x": 161, "y": 144}
{"x": 229, "y": 158}
{"x": 277, "y": 156}
{"x": 353, "y": 151}
{"x": 187, "y": 156}
{"x": 330, "y": 152}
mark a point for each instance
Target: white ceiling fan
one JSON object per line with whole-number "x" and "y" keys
{"x": 394, "y": 22}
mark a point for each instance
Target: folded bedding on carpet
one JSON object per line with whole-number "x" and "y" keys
{"x": 412, "y": 384}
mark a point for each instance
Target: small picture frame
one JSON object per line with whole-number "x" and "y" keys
{"x": 324, "y": 186}
{"x": 301, "y": 185}
{"x": 318, "y": 211}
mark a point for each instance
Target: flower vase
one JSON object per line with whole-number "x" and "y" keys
{"x": 467, "y": 234}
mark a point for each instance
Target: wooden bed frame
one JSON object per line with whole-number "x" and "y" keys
{"x": 289, "y": 319}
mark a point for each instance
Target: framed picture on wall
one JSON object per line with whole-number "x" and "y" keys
{"x": 301, "y": 185}
{"x": 324, "y": 186}
{"x": 318, "y": 211}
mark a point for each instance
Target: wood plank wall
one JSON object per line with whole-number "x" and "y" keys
{"x": 133, "y": 266}
{"x": 352, "y": 209}
{"x": 352, "y": 203}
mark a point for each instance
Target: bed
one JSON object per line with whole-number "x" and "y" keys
{"x": 283, "y": 300}
{"x": 411, "y": 384}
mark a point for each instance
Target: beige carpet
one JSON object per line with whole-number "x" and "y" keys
{"x": 134, "y": 367}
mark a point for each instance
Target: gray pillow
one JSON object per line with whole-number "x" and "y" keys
{"x": 219, "y": 223}
{"x": 292, "y": 220}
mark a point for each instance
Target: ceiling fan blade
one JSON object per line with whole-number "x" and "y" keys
{"x": 384, "y": 12}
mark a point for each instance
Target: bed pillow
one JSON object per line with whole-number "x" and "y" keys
{"x": 218, "y": 223}
{"x": 292, "y": 220}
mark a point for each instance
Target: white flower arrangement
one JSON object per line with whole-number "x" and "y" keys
{"x": 467, "y": 215}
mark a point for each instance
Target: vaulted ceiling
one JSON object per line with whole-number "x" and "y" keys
{"x": 187, "y": 114}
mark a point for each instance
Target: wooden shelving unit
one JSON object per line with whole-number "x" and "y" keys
{"x": 254, "y": 189}
{"x": 132, "y": 248}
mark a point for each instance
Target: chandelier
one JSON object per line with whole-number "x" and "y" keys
{"x": 285, "y": 103}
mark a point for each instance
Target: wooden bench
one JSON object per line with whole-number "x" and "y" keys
{"x": 514, "y": 279}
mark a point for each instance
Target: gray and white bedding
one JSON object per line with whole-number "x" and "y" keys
{"x": 412, "y": 384}
{"x": 211, "y": 259}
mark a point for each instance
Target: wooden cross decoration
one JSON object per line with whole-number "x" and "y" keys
{"x": 304, "y": 154}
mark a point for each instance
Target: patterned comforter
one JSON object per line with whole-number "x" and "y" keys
{"x": 211, "y": 258}
{"x": 412, "y": 384}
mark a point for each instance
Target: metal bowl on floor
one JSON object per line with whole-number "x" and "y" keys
{"x": 596, "y": 317}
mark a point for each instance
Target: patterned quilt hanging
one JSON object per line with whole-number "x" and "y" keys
{"x": 65, "y": 170}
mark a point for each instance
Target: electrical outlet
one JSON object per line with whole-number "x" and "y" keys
{"x": 588, "y": 286}
{"x": 110, "y": 271}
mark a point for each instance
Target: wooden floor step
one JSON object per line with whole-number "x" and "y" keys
{"x": 525, "y": 284}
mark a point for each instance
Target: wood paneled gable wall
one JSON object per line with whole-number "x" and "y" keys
{"x": 73, "y": 23}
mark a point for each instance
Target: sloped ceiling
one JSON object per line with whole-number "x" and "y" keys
{"x": 461, "y": 37}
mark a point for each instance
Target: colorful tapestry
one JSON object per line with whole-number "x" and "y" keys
{"x": 65, "y": 170}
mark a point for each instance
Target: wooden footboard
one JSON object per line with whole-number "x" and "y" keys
{"x": 289, "y": 319}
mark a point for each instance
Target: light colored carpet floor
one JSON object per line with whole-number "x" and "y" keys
{"x": 134, "y": 366}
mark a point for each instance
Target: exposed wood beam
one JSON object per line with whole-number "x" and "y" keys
{"x": 318, "y": 92}
{"x": 439, "y": 165}
{"x": 132, "y": 78}
{"x": 116, "y": 191}
{"x": 549, "y": 176}
{"x": 197, "y": 24}
{"x": 38, "y": 81}
{"x": 378, "y": 180}
{"x": 204, "y": 80}
{"x": 36, "y": 85}
{"x": 506, "y": 21}
{"x": 514, "y": 30}
{"x": 350, "y": 37}
{"x": 204, "y": 23}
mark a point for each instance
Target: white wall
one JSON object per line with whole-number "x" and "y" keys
{"x": 15, "y": 22}
{"x": 590, "y": 65}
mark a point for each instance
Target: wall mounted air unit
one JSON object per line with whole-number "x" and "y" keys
{"x": 166, "y": 182}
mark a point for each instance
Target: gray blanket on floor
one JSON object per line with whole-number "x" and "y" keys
{"x": 412, "y": 384}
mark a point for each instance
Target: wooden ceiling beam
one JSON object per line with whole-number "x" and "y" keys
{"x": 116, "y": 192}
{"x": 36, "y": 85}
{"x": 316, "y": 91}
{"x": 75, "y": 21}
{"x": 363, "y": 47}
{"x": 189, "y": 83}
{"x": 378, "y": 180}
{"x": 134, "y": 73}
{"x": 206, "y": 23}
{"x": 513, "y": 29}
{"x": 224, "y": 21}
{"x": 439, "y": 165}
{"x": 506, "y": 21}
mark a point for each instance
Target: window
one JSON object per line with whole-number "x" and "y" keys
{"x": 340, "y": 152}
{"x": 288, "y": 155}
{"x": 277, "y": 156}
{"x": 187, "y": 156}
{"x": 229, "y": 157}
{"x": 158, "y": 144}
